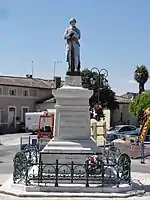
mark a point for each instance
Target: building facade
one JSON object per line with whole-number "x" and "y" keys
{"x": 122, "y": 114}
{"x": 19, "y": 95}
{"x": 116, "y": 117}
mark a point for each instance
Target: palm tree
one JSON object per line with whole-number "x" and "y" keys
{"x": 141, "y": 75}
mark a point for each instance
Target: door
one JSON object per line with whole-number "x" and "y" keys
{"x": 24, "y": 111}
{"x": 12, "y": 117}
{"x": 0, "y": 117}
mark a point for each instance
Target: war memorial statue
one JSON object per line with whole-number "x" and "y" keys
{"x": 72, "y": 35}
{"x": 72, "y": 163}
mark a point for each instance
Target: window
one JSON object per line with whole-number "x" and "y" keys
{"x": 12, "y": 92}
{"x": 115, "y": 128}
{"x": 131, "y": 128}
{"x": 125, "y": 128}
{"x": 24, "y": 110}
{"x": 0, "y": 91}
{"x": 121, "y": 130}
{"x": 25, "y": 93}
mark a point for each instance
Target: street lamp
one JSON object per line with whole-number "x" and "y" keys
{"x": 54, "y": 65}
{"x": 102, "y": 81}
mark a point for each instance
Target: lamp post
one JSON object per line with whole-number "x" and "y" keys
{"x": 54, "y": 65}
{"x": 102, "y": 81}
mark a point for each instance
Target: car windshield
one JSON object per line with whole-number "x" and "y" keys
{"x": 115, "y": 128}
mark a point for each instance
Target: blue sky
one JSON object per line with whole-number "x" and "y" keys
{"x": 115, "y": 36}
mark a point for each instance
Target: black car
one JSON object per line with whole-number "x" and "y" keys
{"x": 22, "y": 127}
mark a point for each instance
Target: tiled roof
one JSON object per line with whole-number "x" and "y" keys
{"x": 121, "y": 99}
{"x": 129, "y": 95}
{"x": 27, "y": 82}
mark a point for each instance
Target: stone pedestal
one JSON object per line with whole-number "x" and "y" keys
{"x": 72, "y": 132}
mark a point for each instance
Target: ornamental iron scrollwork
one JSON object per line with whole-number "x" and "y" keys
{"x": 111, "y": 155}
{"x": 115, "y": 171}
{"x": 124, "y": 168}
{"x": 20, "y": 167}
{"x": 32, "y": 155}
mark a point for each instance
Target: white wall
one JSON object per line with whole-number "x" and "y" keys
{"x": 45, "y": 106}
{"x": 107, "y": 118}
{"x": 126, "y": 116}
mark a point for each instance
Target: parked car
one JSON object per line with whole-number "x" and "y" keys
{"x": 134, "y": 135}
{"x": 119, "y": 131}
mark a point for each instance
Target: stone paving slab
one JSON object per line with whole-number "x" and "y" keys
{"x": 143, "y": 178}
{"x": 6, "y": 197}
{"x": 6, "y": 189}
{"x": 3, "y": 178}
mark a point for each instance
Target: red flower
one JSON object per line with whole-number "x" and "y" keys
{"x": 98, "y": 107}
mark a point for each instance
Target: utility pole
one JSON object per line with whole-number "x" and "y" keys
{"x": 32, "y": 68}
{"x": 54, "y": 66}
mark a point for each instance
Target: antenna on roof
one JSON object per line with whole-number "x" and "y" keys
{"x": 32, "y": 67}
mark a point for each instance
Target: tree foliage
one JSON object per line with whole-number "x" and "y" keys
{"x": 140, "y": 103}
{"x": 106, "y": 95}
{"x": 141, "y": 75}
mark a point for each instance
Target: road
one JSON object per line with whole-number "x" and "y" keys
{"x": 10, "y": 145}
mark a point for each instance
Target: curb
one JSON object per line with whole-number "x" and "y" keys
{"x": 89, "y": 195}
{"x": 6, "y": 189}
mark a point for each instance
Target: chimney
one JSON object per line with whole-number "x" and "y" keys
{"x": 57, "y": 80}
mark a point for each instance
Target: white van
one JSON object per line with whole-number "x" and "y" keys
{"x": 32, "y": 119}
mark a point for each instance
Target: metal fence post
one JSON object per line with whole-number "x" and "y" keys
{"x": 87, "y": 172}
{"x": 26, "y": 174}
{"x": 118, "y": 178}
{"x": 129, "y": 180}
{"x": 21, "y": 144}
{"x": 104, "y": 134}
{"x": 142, "y": 153}
{"x": 56, "y": 174}
{"x": 103, "y": 173}
{"x": 72, "y": 171}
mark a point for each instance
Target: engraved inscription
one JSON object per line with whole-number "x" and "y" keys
{"x": 69, "y": 122}
{"x": 72, "y": 119}
{"x": 75, "y": 116}
{"x": 74, "y": 126}
{"x": 73, "y": 111}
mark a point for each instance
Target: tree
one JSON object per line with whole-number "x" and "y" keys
{"x": 141, "y": 75}
{"x": 106, "y": 95}
{"x": 140, "y": 103}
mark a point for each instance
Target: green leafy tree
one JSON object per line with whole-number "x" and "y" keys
{"x": 106, "y": 95}
{"x": 141, "y": 75}
{"x": 140, "y": 103}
